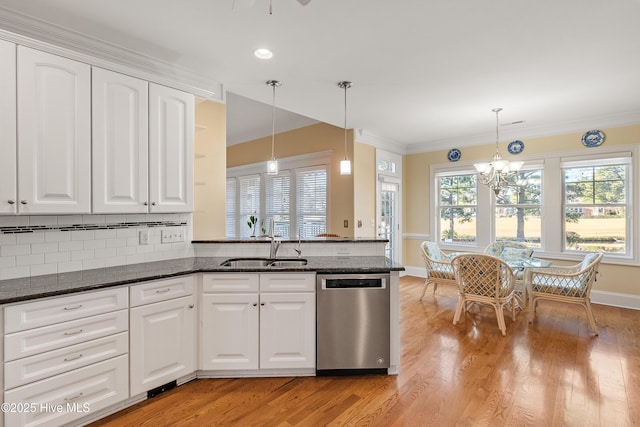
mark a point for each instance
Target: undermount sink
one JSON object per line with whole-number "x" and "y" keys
{"x": 263, "y": 262}
{"x": 295, "y": 262}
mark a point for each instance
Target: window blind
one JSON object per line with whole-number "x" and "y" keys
{"x": 311, "y": 201}
{"x": 230, "y": 218}
{"x": 249, "y": 203}
{"x": 278, "y": 191}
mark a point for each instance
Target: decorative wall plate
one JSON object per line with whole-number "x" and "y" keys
{"x": 592, "y": 138}
{"x": 515, "y": 147}
{"x": 454, "y": 155}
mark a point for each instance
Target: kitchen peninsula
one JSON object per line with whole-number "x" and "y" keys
{"x": 126, "y": 333}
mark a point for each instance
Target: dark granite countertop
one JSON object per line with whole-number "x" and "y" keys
{"x": 77, "y": 281}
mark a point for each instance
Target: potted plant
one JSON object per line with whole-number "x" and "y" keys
{"x": 252, "y": 223}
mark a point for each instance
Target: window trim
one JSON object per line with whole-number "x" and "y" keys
{"x": 552, "y": 201}
{"x": 293, "y": 163}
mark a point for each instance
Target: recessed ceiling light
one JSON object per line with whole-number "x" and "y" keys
{"x": 263, "y": 53}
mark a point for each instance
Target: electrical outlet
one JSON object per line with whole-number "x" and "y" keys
{"x": 173, "y": 235}
{"x": 143, "y": 237}
{"x": 346, "y": 223}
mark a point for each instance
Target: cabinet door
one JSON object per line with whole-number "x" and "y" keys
{"x": 287, "y": 330}
{"x": 54, "y": 134}
{"x": 120, "y": 143}
{"x": 8, "y": 159}
{"x": 162, "y": 343}
{"x": 171, "y": 128}
{"x": 229, "y": 339}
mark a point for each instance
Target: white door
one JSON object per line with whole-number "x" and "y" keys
{"x": 287, "y": 330}
{"x": 8, "y": 159}
{"x": 120, "y": 143}
{"x": 231, "y": 337}
{"x": 389, "y": 201}
{"x": 171, "y": 129}
{"x": 54, "y": 133}
{"x": 162, "y": 343}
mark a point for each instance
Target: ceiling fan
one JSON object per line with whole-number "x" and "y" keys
{"x": 245, "y": 4}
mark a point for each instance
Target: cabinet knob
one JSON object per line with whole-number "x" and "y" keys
{"x": 191, "y": 305}
{"x": 262, "y": 304}
{"x": 24, "y": 202}
{"x": 153, "y": 203}
{"x": 255, "y": 304}
{"x": 11, "y": 202}
{"x": 146, "y": 203}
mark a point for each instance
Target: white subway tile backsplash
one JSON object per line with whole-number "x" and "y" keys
{"x": 7, "y": 239}
{"x": 127, "y": 232}
{"x": 83, "y": 235}
{"x": 10, "y": 250}
{"x": 28, "y": 238}
{"x": 82, "y": 255}
{"x": 57, "y": 257}
{"x": 94, "y": 219}
{"x": 7, "y": 261}
{"x": 13, "y": 221}
{"x": 69, "y": 219}
{"x": 38, "y": 270}
{"x": 44, "y": 248}
{"x": 116, "y": 243}
{"x": 126, "y": 251}
{"x": 106, "y": 234}
{"x": 70, "y": 246}
{"x": 135, "y": 259}
{"x": 115, "y": 261}
{"x": 57, "y": 236}
{"x": 94, "y": 244}
{"x": 14, "y": 272}
{"x": 43, "y": 220}
{"x": 65, "y": 267}
{"x": 29, "y": 259}
{"x": 89, "y": 264}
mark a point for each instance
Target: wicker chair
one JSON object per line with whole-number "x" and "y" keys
{"x": 484, "y": 279}
{"x": 438, "y": 265}
{"x": 565, "y": 284}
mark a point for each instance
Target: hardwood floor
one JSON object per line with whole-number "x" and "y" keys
{"x": 551, "y": 373}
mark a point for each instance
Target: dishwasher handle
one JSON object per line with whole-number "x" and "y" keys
{"x": 359, "y": 283}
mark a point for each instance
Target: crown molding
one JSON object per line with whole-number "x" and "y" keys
{"x": 365, "y": 137}
{"x": 581, "y": 125}
{"x": 31, "y": 32}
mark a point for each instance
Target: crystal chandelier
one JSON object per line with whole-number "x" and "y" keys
{"x": 494, "y": 174}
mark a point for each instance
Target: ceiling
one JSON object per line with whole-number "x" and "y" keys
{"x": 426, "y": 74}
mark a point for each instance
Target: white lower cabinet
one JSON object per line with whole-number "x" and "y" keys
{"x": 162, "y": 333}
{"x": 249, "y": 323}
{"x": 64, "y": 398}
{"x": 65, "y": 357}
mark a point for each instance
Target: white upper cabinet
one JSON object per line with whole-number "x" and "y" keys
{"x": 54, "y": 134}
{"x": 171, "y": 129}
{"x": 8, "y": 188}
{"x": 120, "y": 143}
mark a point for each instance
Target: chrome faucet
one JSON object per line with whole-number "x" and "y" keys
{"x": 275, "y": 244}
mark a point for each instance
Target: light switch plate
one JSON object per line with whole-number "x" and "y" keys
{"x": 173, "y": 235}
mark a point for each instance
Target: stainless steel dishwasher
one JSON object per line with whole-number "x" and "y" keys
{"x": 353, "y": 324}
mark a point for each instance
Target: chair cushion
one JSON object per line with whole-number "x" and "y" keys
{"x": 566, "y": 287}
{"x": 510, "y": 252}
{"x": 588, "y": 259}
{"x": 433, "y": 251}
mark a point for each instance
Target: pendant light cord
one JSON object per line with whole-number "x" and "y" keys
{"x": 273, "y": 123}
{"x": 345, "y": 85}
{"x": 497, "y": 110}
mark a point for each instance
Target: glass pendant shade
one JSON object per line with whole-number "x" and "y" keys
{"x": 345, "y": 167}
{"x": 272, "y": 165}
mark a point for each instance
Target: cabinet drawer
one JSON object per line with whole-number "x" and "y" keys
{"x": 35, "y": 341}
{"x": 287, "y": 282}
{"x": 230, "y": 282}
{"x": 44, "y": 365}
{"x": 161, "y": 290}
{"x": 45, "y": 312}
{"x": 70, "y": 396}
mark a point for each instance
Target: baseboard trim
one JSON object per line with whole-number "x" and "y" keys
{"x": 613, "y": 299}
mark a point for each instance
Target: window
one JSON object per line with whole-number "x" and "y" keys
{"x": 311, "y": 193}
{"x": 296, "y": 198}
{"x": 596, "y": 205}
{"x": 519, "y": 209}
{"x": 457, "y": 207}
{"x": 559, "y": 204}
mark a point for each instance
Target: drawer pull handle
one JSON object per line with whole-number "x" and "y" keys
{"x": 69, "y": 359}
{"x": 74, "y": 333}
{"x": 73, "y": 308}
{"x": 162, "y": 291}
{"x": 77, "y": 396}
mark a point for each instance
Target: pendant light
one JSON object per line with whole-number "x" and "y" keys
{"x": 345, "y": 164}
{"x": 272, "y": 165}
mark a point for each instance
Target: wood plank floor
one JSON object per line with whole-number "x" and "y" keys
{"x": 553, "y": 372}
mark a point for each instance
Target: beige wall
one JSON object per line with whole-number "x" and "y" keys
{"x": 210, "y": 171}
{"x": 306, "y": 140}
{"x": 364, "y": 200}
{"x": 615, "y": 278}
